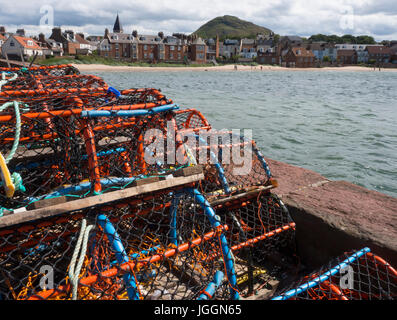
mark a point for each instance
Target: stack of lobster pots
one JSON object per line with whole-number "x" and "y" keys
{"x": 123, "y": 194}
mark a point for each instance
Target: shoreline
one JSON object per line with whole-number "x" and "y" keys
{"x": 107, "y": 68}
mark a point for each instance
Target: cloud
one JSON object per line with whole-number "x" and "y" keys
{"x": 302, "y": 17}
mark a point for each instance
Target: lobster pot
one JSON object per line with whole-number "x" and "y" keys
{"x": 52, "y": 147}
{"x": 58, "y": 70}
{"x": 191, "y": 120}
{"x": 357, "y": 275}
{"x": 153, "y": 246}
{"x": 231, "y": 163}
{"x": 261, "y": 235}
{"x": 41, "y": 83}
{"x": 49, "y": 154}
{"x": 124, "y": 146}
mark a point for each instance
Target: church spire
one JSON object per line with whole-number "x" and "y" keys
{"x": 117, "y": 26}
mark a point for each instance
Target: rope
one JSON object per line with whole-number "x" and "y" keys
{"x": 81, "y": 247}
{"x": 15, "y": 104}
{"x": 16, "y": 177}
{"x": 4, "y": 81}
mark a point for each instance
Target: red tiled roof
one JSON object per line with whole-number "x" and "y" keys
{"x": 378, "y": 50}
{"x": 79, "y": 39}
{"x": 346, "y": 52}
{"x": 24, "y": 42}
{"x": 302, "y": 52}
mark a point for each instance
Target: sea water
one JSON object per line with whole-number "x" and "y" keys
{"x": 342, "y": 125}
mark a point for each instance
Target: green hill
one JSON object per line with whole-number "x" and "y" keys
{"x": 230, "y": 27}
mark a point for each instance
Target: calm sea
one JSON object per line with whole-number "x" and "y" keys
{"x": 340, "y": 124}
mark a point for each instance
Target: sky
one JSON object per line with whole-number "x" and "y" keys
{"x": 377, "y": 18}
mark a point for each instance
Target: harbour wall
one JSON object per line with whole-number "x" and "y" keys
{"x": 333, "y": 217}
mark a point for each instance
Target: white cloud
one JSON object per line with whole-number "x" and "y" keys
{"x": 302, "y": 17}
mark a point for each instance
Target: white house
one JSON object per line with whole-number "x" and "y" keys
{"x": 15, "y": 46}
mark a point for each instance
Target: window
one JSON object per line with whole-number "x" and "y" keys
{"x": 145, "y": 55}
{"x": 145, "y": 47}
{"x": 171, "y": 56}
{"x": 172, "y": 48}
{"x": 179, "y": 48}
{"x": 12, "y": 44}
{"x": 179, "y": 56}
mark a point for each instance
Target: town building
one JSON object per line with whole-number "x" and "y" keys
{"x": 198, "y": 51}
{"x": 4, "y": 32}
{"x": 21, "y": 48}
{"x": 146, "y": 48}
{"x": 270, "y": 56}
{"x": 347, "y": 56}
{"x": 55, "y": 48}
{"x": 321, "y": 50}
{"x": 175, "y": 50}
{"x": 229, "y": 48}
{"x": 290, "y": 42}
{"x": 379, "y": 54}
{"x": 248, "y": 48}
{"x": 213, "y": 49}
{"x": 299, "y": 57}
{"x": 72, "y": 43}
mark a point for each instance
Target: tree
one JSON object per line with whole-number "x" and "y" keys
{"x": 135, "y": 33}
{"x": 276, "y": 39}
{"x": 161, "y": 35}
{"x": 348, "y": 38}
{"x": 326, "y": 59}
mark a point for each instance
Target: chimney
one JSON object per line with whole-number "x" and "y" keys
{"x": 106, "y": 32}
{"x": 42, "y": 38}
{"x": 56, "y": 34}
{"x": 21, "y": 32}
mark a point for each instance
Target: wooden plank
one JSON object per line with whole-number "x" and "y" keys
{"x": 188, "y": 171}
{"x": 21, "y": 217}
{"x": 141, "y": 182}
{"x": 46, "y": 203}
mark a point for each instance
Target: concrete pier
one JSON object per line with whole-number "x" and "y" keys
{"x": 333, "y": 217}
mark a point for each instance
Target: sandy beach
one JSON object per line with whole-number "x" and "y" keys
{"x": 100, "y": 67}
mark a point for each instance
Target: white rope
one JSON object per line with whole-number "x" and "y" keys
{"x": 81, "y": 244}
{"x": 4, "y": 81}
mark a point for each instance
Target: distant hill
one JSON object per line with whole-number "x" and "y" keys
{"x": 230, "y": 27}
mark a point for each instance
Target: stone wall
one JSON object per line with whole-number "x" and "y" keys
{"x": 336, "y": 216}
